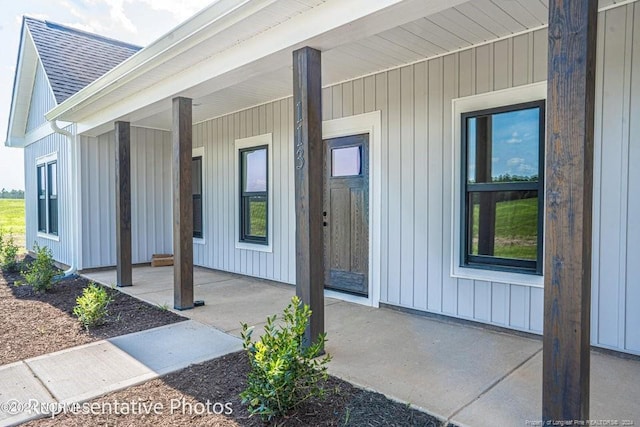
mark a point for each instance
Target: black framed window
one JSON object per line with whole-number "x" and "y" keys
{"x": 42, "y": 198}
{"x": 502, "y": 188}
{"x": 47, "y": 183}
{"x": 196, "y": 185}
{"x": 254, "y": 201}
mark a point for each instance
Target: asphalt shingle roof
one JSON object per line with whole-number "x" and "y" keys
{"x": 72, "y": 58}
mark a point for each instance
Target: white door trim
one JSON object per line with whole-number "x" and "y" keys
{"x": 365, "y": 123}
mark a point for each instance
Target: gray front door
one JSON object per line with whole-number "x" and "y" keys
{"x": 346, "y": 214}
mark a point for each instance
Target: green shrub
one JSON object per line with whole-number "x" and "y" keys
{"x": 283, "y": 373}
{"x": 91, "y": 306}
{"x": 39, "y": 274}
{"x": 8, "y": 254}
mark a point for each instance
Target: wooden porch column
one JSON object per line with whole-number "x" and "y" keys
{"x": 123, "y": 204}
{"x": 182, "y": 205}
{"x": 569, "y": 175}
{"x": 308, "y": 163}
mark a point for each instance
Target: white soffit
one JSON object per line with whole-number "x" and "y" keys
{"x": 385, "y": 39}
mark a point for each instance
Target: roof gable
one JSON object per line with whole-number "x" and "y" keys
{"x": 72, "y": 58}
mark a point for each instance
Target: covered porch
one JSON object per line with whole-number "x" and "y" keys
{"x": 393, "y": 70}
{"x": 459, "y": 372}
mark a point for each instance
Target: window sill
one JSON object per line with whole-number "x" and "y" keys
{"x": 532, "y": 280}
{"x": 199, "y": 241}
{"x": 48, "y": 236}
{"x": 257, "y": 247}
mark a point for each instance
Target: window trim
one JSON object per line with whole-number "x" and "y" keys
{"x": 493, "y": 262}
{"x": 199, "y": 152}
{"x": 240, "y": 145}
{"x": 511, "y": 96}
{"x": 45, "y": 161}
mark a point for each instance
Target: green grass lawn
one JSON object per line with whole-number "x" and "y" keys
{"x": 258, "y": 218}
{"x": 516, "y": 230}
{"x": 12, "y": 220}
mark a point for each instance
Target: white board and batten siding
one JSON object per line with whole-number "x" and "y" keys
{"x": 218, "y": 137}
{"x": 151, "y": 199}
{"x": 42, "y": 100}
{"x": 53, "y": 144}
{"x": 415, "y": 103}
{"x": 615, "y": 315}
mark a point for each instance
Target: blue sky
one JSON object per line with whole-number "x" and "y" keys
{"x": 134, "y": 21}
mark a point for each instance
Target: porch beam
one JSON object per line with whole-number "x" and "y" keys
{"x": 123, "y": 204}
{"x": 309, "y": 186}
{"x": 569, "y": 186}
{"x": 182, "y": 205}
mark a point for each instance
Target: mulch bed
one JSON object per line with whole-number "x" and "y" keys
{"x": 32, "y": 324}
{"x": 219, "y": 382}
{"x": 206, "y": 394}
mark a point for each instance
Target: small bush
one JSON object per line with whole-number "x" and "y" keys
{"x": 8, "y": 254}
{"x": 39, "y": 274}
{"x": 284, "y": 373}
{"x": 91, "y": 306}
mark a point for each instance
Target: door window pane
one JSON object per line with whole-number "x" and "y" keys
{"x": 346, "y": 161}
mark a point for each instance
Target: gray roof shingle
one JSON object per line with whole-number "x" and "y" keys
{"x": 72, "y": 58}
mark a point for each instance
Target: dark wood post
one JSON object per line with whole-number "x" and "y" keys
{"x": 487, "y": 208}
{"x": 123, "y": 204}
{"x": 182, "y": 205}
{"x": 569, "y": 181}
{"x": 308, "y": 164}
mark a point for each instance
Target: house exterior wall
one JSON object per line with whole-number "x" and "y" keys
{"x": 151, "y": 209}
{"x": 41, "y": 100}
{"x": 61, "y": 247}
{"x": 217, "y": 137}
{"x": 616, "y": 231}
{"x": 415, "y": 102}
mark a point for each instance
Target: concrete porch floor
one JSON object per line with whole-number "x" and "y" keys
{"x": 468, "y": 375}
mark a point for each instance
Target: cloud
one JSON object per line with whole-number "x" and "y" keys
{"x": 519, "y": 166}
{"x": 116, "y": 10}
{"x": 180, "y": 9}
{"x": 514, "y": 139}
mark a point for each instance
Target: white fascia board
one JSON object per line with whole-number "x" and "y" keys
{"x": 272, "y": 47}
{"x": 22, "y": 85}
{"x": 210, "y": 21}
{"x": 41, "y": 132}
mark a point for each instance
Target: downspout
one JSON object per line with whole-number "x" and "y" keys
{"x": 73, "y": 195}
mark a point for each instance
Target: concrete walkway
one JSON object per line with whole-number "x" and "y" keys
{"x": 44, "y": 383}
{"x": 468, "y": 375}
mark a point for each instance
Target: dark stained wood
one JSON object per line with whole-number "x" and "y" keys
{"x": 308, "y": 166}
{"x": 487, "y": 209}
{"x": 346, "y": 234}
{"x": 123, "y": 204}
{"x": 182, "y": 205}
{"x": 569, "y": 175}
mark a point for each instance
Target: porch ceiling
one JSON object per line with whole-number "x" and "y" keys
{"x": 470, "y": 23}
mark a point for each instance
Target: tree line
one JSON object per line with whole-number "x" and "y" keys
{"x": 11, "y": 194}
